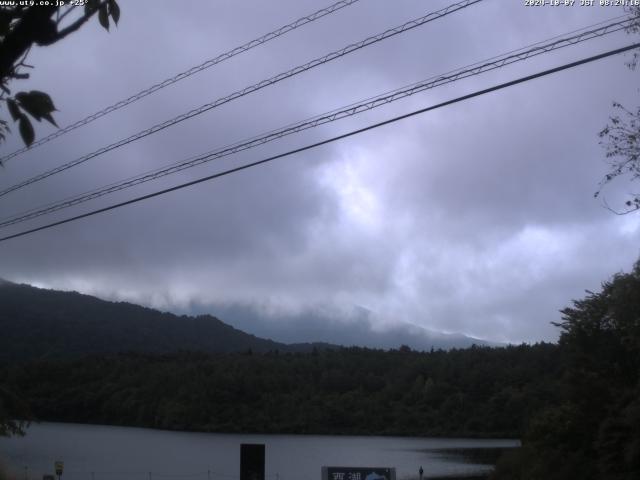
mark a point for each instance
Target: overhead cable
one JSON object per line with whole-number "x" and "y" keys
{"x": 347, "y": 111}
{"x": 250, "y": 89}
{"x": 187, "y": 73}
{"x": 324, "y": 142}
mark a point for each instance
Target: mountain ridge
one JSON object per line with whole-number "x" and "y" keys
{"x": 43, "y": 323}
{"x": 357, "y": 327}
{"x": 40, "y": 323}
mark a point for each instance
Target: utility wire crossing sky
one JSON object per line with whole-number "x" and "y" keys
{"x": 330, "y": 140}
{"x": 247, "y": 90}
{"x": 478, "y": 218}
{"x": 354, "y": 109}
{"x": 182, "y": 75}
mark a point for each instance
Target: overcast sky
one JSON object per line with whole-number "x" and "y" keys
{"x": 477, "y": 218}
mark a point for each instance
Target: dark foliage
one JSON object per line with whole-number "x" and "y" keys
{"x": 481, "y": 391}
{"x": 21, "y": 27}
{"x": 14, "y": 411}
{"x": 595, "y": 432}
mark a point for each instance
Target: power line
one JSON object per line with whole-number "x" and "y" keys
{"x": 187, "y": 73}
{"x": 324, "y": 142}
{"x": 347, "y": 111}
{"x": 250, "y": 89}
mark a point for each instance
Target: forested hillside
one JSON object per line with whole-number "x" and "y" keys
{"x": 40, "y": 323}
{"x": 472, "y": 392}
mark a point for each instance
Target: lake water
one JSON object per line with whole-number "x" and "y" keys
{"x": 92, "y": 452}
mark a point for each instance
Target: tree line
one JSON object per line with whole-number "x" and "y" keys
{"x": 481, "y": 391}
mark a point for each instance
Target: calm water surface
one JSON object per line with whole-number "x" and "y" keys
{"x": 93, "y": 452}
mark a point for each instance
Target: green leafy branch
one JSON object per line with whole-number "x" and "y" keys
{"x": 35, "y": 103}
{"x": 20, "y": 28}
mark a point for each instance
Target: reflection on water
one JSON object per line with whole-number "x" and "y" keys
{"x": 480, "y": 461}
{"x": 484, "y": 456}
{"x": 93, "y": 452}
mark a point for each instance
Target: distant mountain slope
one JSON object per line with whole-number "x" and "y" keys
{"x": 356, "y": 327}
{"x": 39, "y": 323}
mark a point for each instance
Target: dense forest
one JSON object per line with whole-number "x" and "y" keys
{"x": 594, "y": 432}
{"x": 473, "y": 392}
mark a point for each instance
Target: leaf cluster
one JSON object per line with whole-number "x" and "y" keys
{"x": 621, "y": 137}
{"x": 21, "y": 27}
{"x": 37, "y": 104}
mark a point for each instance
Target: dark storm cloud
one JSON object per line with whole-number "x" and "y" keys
{"x": 477, "y": 218}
